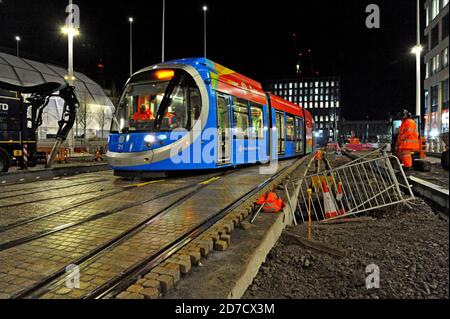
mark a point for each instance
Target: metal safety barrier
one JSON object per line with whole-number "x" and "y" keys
{"x": 355, "y": 188}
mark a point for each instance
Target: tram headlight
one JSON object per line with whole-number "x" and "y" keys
{"x": 149, "y": 139}
{"x": 162, "y": 137}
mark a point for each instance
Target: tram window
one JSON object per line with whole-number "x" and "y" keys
{"x": 140, "y": 106}
{"x": 240, "y": 116}
{"x": 299, "y": 123}
{"x": 290, "y": 128}
{"x": 257, "y": 120}
{"x": 195, "y": 106}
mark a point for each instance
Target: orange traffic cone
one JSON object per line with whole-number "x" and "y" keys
{"x": 328, "y": 202}
{"x": 339, "y": 197}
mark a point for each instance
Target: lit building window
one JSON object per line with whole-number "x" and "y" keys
{"x": 317, "y": 84}
{"x": 337, "y": 104}
{"x": 332, "y": 84}
{"x": 327, "y": 105}
{"x": 326, "y": 118}
{"x": 316, "y": 105}
{"x": 321, "y": 118}
{"x": 444, "y": 58}
{"x": 276, "y": 86}
{"x": 290, "y": 85}
{"x": 316, "y": 118}
{"x": 321, "y": 105}
{"x": 290, "y": 92}
{"x": 332, "y": 104}
{"x": 434, "y": 9}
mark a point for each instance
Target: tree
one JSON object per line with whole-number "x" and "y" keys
{"x": 103, "y": 117}
{"x": 84, "y": 117}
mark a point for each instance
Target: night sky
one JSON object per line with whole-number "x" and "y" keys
{"x": 252, "y": 37}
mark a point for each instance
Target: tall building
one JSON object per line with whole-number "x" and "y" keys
{"x": 436, "y": 72}
{"x": 321, "y": 96}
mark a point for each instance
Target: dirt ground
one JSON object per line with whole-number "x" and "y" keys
{"x": 409, "y": 246}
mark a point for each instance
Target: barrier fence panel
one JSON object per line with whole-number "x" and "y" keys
{"x": 352, "y": 189}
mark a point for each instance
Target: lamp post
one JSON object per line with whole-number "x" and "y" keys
{"x": 18, "y": 41}
{"x": 163, "y": 30}
{"x": 418, "y": 51}
{"x": 71, "y": 30}
{"x": 131, "y": 20}
{"x": 205, "y": 9}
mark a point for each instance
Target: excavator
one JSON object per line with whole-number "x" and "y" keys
{"x": 20, "y": 118}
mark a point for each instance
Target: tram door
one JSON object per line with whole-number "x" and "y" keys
{"x": 223, "y": 129}
{"x": 280, "y": 132}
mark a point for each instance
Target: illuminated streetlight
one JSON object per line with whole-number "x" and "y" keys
{"x": 131, "y": 20}
{"x": 205, "y": 9}
{"x": 417, "y": 50}
{"x": 17, "y": 40}
{"x": 163, "y": 30}
{"x": 71, "y": 30}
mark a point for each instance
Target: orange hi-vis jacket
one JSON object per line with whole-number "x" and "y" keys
{"x": 271, "y": 202}
{"x": 408, "y": 136}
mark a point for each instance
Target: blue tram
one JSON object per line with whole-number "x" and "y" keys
{"x": 194, "y": 114}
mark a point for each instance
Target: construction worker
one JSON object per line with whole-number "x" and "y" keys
{"x": 143, "y": 114}
{"x": 408, "y": 140}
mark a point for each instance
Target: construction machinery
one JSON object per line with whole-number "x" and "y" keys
{"x": 21, "y": 111}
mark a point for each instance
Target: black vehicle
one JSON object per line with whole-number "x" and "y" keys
{"x": 21, "y": 117}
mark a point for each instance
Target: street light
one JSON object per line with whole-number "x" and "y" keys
{"x": 417, "y": 50}
{"x": 71, "y": 30}
{"x": 17, "y": 40}
{"x": 131, "y": 20}
{"x": 205, "y": 9}
{"x": 163, "y": 31}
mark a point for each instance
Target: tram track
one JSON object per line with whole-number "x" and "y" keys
{"x": 49, "y": 189}
{"x": 35, "y": 290}
{"x": 45, "y": 180}
{"x": 116, "y": 285}
{"x": 24, "y": 240}
{"x": 50, "y": 198}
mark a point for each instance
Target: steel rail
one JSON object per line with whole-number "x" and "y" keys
{"x": 30, "y": 292}
{"x": 119, "y": 283}
{"x": 49, "y": 189}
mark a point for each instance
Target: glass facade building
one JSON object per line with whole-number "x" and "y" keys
{"x": 436, "y": 113}
{"x": 26, "y": 72}
{"x": 321, "y": 96}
